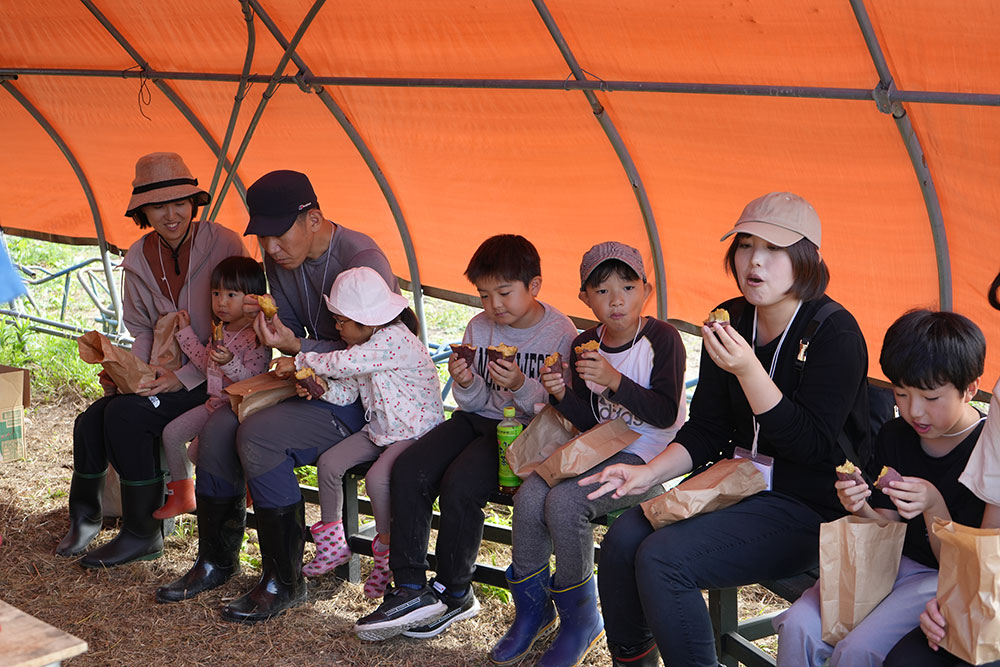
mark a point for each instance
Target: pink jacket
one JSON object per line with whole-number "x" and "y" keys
{"x": 250, "y": 358}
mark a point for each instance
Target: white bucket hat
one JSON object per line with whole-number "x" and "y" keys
{"x": 361, "y": 294}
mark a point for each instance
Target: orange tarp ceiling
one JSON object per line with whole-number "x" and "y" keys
{"x": 568, "y": 121}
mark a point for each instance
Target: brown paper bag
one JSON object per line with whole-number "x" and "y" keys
{"x": 546, "y": 432}
{"x": 166, "y": 351}
{"x": 968, "y": 590}
{"x": 723, "y": 484}
{"x": 127, "y": 371}
{"x": 858, "y": 563}
{"x": 586, "y": 450}
{"x": 259, "y": 392}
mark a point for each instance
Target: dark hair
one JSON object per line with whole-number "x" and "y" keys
{"x": 506, "y": 257}
{"x": 239, "y": 273}
{"x": 143, "y": 222}
{"x": 610, "y": 267}
{"x": 926, "y": 349}
{"x": 407, "y": 317}
{"x": 994, "y": 293}
{"x": 810, "y": 276}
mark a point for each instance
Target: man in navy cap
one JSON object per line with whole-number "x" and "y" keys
{"x": 304, "y": 253}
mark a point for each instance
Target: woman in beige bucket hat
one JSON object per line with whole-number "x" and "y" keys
{"x": 166, "y": 270}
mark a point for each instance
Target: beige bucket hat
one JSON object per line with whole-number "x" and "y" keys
{"x": 163, "y": 177}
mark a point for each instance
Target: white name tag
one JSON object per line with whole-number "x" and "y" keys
{"x": 763, "y": 463}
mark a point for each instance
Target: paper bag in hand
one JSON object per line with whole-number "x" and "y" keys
{"x": 259, "y": 392}
{"x": 166, "y": 351}
{"x": 586, "y": 450}
{"x": 126, "y": 369}
{"x": 723, "y": 484}
{"x": 546, "y": 432}
{"x": 968, "y": 591}
{"x": 858, "y": 563}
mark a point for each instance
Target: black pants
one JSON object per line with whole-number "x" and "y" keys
{"x": 651, "y": 581}
{"x": 913, "y": 651}
{"x": 124, "y": 429}
{"x": 456, "y": 461}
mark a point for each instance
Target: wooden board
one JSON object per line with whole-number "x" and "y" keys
{"x": 26, "y": 641}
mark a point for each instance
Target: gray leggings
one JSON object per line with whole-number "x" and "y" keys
{"x": 177, "y": 434}
{"x": 557, "y": 519}
{"x": 354, "y": 450}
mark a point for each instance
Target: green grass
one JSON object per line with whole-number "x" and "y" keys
{"x": 55, "y": 365}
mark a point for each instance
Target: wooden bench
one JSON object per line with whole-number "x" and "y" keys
{"x": 26, "y": 641}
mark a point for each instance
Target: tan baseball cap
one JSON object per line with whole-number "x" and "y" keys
{"x": 781, "y": 218}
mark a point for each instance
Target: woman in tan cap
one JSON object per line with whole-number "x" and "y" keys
{"x": 166, "y": 270}
{"x": 782, "y": 377}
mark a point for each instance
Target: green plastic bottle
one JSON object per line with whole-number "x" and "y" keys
{"x": 507, "y": 432}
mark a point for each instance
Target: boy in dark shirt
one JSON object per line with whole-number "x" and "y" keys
{"x": 934, "y": 361}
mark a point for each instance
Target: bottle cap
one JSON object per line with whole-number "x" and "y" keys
{"x": 509, "y": 412}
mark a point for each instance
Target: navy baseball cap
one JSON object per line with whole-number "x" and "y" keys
{"x": 276, "y": 199}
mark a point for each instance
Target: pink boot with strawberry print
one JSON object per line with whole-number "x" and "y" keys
{"x": 331, "y": 548}
{"x": 380, "y": 575}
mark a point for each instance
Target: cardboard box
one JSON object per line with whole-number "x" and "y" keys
{"x": 15, "y": 396}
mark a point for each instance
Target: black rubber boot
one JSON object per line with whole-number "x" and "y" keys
{"x": 645, "y": 655}
{"x": 141, "y": 536}
{"x": 281, "y": 532}
{"x": 86, "y": 511}
{"x": 220, "y": 535}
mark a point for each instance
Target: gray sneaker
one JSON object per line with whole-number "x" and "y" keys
{"x": 458, "y": 609}
{"x": 401, "y": 608}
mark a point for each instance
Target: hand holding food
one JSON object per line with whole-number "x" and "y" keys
{"x": 849, "y": 471}
{"x": 720, "y": 315}
{"x": 887, "y": 475}
{"x": 589, "y": 346}
{"x": 266, "y": 303}
{"x": 310, "y": 382}
{"x": 465, "y": 352}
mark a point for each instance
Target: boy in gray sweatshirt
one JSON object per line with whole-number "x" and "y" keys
{"x": 457, "y": 461}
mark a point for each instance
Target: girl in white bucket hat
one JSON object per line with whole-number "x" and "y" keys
{"x": 398, "y": 383}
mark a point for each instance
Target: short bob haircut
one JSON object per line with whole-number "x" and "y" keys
{"x": 927, "y": 349}
{"x": 505, "y": 257}
{"x": 810, "y": 276}
{"x": 143, "y": 222}
{"x": 608, "y": 268}
{"x": 241, "y": 274}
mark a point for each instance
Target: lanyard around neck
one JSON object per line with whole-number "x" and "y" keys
{"x": 774, "y": 365}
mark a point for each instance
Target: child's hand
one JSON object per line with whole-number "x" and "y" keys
{"x": 913, "y": 496}
{"x": 183, "y": 319}
{"x": 851, "y": 494}
{"x": 283, "y": 366}
{"x": 460, "y": 371}
{"x": 592, "y": 367}
{"x": 554, "y": 383}
{"x": 933, "y": 624}
{"x": 220, "y": 354}
{"x": 507, "y": 374}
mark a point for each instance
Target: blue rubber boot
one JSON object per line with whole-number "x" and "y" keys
{"x": 534, "y": 617}
{"x": 580, "y": 625}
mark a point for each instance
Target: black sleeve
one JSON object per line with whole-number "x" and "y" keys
{"x": 659, "y": 404}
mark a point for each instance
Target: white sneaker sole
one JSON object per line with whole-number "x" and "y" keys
{"x": 377, "y": 632}
{"x": 469, "y": 613}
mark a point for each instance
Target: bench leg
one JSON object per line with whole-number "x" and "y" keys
{"x": 723, "y": 609}
{"x": 351, "y": 570}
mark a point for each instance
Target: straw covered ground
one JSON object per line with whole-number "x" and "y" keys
{"x": 115, "y": 613}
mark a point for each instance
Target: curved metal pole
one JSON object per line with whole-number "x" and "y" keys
{"x": 164, "y": 87}
{"x": 87, "y": 191}
{"x": 918, "y": 159}
{"x": 373, "y": 166}
{"x": 237, "y": 101}
{"x": 265, "y": 98}
{"x": 638, "y": 189}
